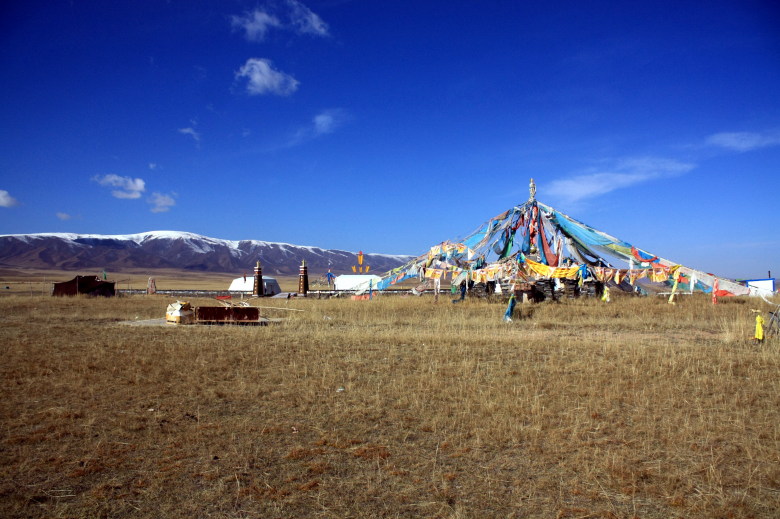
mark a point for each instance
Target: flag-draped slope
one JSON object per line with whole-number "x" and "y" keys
{"x": 533, "y": 241}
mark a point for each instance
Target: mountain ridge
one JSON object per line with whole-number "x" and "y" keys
{"x": 177, "y": 249}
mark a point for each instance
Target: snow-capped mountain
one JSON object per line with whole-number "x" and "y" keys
{"x": 178, "y": 250}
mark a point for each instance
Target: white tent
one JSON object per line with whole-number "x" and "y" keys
{"x": 360, "y": 282}
{"x": 270, "y": 285}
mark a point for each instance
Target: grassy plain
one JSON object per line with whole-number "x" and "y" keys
{"x": 34, "y": 281}
{"x": 395, "y": 407}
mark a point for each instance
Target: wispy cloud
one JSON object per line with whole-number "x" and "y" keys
{"x": 6, "y": 200}
{"x": 126, "y": 187}
{"x": 305, "y": 21}
{"x": 255, "y": 24}
{"x": 744, "y": 141}
{"x": 323, "y": 123}
{"x": 289, "y": 15}
{"x": 64, "y": 216}
{"x": 619, "y": 174}
{"x": 160, "y": 202}
{"x": 152, "y": 166}
{"x": 191, "y": 131}
{"x": 262, "y": 78}
{"x": 327, "y": 121}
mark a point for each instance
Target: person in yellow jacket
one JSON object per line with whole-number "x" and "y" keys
{"x": 760, "y": 322}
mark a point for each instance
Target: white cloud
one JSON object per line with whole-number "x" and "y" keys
{"x": 327, "y": 121}
{"x": 255, "y": 24}
{"x": 64, "y": 216}
{"x": 262, "y": 78}
{"x": 152, "y": 166}
{"x": 621, "y": 174}
{"x": 323, "y": 123}
{"x": 305, "y": 21}
{"x": 160, "y": 202}
{"x": 128, "y": 188}
{"x": 292, "y": 16}
{"x": 192, "y": 132}
{"x": 6, "y": 200}
{"x": 744, "y": 141}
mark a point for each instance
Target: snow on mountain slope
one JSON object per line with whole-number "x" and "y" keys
{"x": 175, "y": 249}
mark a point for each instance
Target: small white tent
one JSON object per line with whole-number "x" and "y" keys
{"x": 270, "y": 285}
{"x": 356, "y": 281}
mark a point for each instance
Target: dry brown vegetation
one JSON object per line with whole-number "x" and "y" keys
{"x": 390, "y": 408}
{"x": 39, "y": 282}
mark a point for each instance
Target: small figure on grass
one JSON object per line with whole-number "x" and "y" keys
{"x": 510, "y": 308}
{"x": 760, "y": 322}
{"x": 462, "y": 289}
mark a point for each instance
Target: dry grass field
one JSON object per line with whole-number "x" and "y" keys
{"x": 395, "y": 407}
{"x": 32, "y": 282}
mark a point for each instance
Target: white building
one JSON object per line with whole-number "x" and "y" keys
{"x": 357, "y": 282}
{"x": 761, "y": 287}
{"x": 270, "y": 285}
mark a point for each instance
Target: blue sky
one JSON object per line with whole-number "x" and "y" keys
{"x": 391, "y": 126}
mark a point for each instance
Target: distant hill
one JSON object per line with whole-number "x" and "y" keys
{"x": 178, "y": 250}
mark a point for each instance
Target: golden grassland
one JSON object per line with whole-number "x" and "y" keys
{"x": 395, "y": 407}
{"x": 39, "y": 282}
